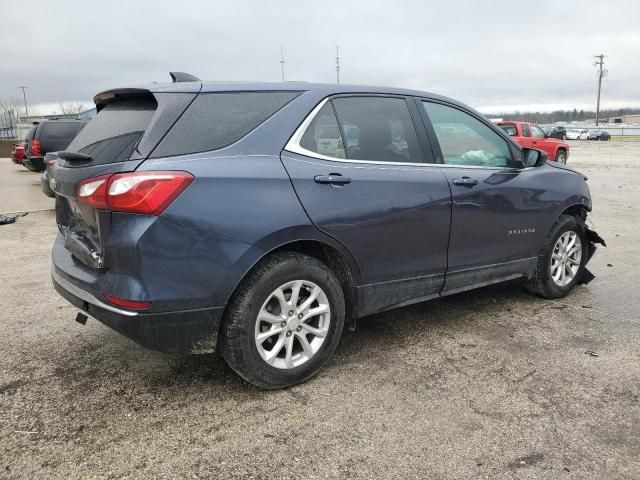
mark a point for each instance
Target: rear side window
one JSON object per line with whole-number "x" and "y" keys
{"x": 323, "y": 134}
{"x": 59, "y": 130}
{"x": 378, "y": 129}
{"x": 113, "y": 134}
{"x": 216, "y": 120}
{"x": 525, "y": 130}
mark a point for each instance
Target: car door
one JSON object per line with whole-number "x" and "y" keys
{"x": 539, "y": 142}
{"x": 499, "y": 209}
{"x": 374, "y": 190}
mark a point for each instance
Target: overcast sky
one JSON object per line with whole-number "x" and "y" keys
{"x": 493, "y": 55}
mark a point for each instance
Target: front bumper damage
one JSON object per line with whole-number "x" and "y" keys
{"x": 592, "y": 239}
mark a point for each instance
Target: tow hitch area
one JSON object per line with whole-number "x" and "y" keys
{"x": 81, "y": 318}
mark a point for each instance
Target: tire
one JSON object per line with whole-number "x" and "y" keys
{"x": 541, "y": 282}
{"x": 561, "y": 156}
{"x": 256, "y": 295}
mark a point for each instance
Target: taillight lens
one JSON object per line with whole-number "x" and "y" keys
{"x": 148, "y": 193}
{"x": 35, "y": 148}
{"x": 94, "y": 191}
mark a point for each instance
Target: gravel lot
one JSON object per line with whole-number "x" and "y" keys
{"x": 492, "y": 384}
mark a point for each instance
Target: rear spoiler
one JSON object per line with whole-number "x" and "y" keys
{"x": 108, "y": 96}
{"x": 104, "y": 98}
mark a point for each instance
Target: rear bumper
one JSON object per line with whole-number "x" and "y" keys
{"x": 192, "y": 331}
{"x": 37, "y": 163}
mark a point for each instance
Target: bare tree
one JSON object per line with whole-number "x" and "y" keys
{"x": 9, "y": 113}
{"x": 72, "y": 108}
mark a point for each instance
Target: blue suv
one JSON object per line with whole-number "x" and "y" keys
{"x": 260, "y": 220}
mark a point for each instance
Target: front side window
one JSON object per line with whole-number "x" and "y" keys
{"x": 378, "y": 129}
{"x": 536, "y": 132}
{"x": 465, "y": 140}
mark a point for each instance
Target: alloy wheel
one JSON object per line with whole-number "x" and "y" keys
{"x": 292, "y": 324}
{"x": 565, "y": 258}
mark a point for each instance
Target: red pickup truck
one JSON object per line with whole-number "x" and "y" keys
{"x": 531, "y": 136}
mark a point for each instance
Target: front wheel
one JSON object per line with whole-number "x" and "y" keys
{"x": 561, "y": 156}
{"x": 284, "y": 321}
{"x": 560, "y": 261}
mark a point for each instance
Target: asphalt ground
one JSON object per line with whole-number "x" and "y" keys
{"x": 493, "y": 383}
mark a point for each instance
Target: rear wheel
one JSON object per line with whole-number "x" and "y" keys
{"x": 561, "y": 156}
{"x": 284, "y": 321}
{"x": 560, "y": 261}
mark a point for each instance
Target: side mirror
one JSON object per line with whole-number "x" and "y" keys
{"x": 533, "y": 158}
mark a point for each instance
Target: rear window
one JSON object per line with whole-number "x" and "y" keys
{"x": 216, "y": 120}
{"x": 113, "y": 134}
{"x": 31, "y": 133}
{"x": 59, "y": 130}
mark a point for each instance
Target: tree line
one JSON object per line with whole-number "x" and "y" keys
{"x": 564, "y": 115}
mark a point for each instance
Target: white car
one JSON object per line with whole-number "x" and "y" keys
{"x": 576, "y": 134}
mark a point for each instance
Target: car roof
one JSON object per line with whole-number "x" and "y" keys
{"x": 324, "y": 89}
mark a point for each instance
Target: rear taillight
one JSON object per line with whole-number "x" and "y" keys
{"x": 35, "y": 148}
{"x": 148, "y": 193}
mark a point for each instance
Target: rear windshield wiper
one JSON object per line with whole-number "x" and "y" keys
{"x": 74, "y": 156}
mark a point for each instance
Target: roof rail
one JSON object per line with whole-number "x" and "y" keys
{"x": 183, "y": 77}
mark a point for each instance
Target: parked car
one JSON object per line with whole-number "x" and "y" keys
{"x": 50, "y": 136}
{"x": 557, "y": 132}
{"x": 17, "y": 152}
{"x": 49, "y": 162}
{"x": 532, "y": 136}
{"x": 599, "y": 135}
{"x": 199, "y": 216}
{"x": 577, "y": 134}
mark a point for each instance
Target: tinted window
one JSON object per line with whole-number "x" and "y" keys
{"x": 465, "y": 140}
{"x": 510, "y": 129}
{"x": 216, "y": 120}
{"x": 378, "y": 129}
{"x": 112, "y": 135}
{"x": 59, "y": 130}
{"x": 537, "y": 132}
{"x": 525, "y": 130}
{"x": 323, "y": 134}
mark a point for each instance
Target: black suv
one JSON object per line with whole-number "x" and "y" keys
{"x": 558, "y": 132}
{"x": 49, "y": 136}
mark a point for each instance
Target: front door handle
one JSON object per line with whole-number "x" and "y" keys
{"x": 465, "y": 182}
{"x": 332, "y": 179}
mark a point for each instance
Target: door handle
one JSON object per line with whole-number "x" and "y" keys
{"x": 465, "y": 182}
{"x": 332, "y": 179}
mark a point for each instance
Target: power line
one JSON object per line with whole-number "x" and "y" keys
{"x": 601, "y": 73}
{"x": 24, "y": 96}
{"x": 282, "y": 61}
{"x": 337, "y": 65}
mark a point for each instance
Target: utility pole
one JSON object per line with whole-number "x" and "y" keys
{"x": 282, "y": 61}
{"x": 601, "y": 73}
{"x": 338, "y": 65}
{"x": 24, "y": 96}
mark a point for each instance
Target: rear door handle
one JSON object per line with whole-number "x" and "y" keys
{"x": 332, "y": 179}
{"x": 465, "y": 182}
